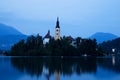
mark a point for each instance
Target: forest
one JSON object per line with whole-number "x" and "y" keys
{"x": 33, "y": 46}
{"x": 108, "y": 46}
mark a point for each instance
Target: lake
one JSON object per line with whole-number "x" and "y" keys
{"x": 56, "y": 68}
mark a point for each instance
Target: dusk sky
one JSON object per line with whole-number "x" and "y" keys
{"x": 77, "y": 17}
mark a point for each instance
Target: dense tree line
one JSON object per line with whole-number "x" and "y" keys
{"x": 33, "y": 46}
{"x": 108, "y": 46}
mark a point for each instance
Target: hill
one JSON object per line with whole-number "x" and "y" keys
{"x": 101, "y": 37}
{"x": 9, "y": 36}
{"x": 8, "y": 30}
{"x": 111, "y": 46}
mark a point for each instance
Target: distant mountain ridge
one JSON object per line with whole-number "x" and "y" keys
{"x": 9, "y": 36}
{"x": 8, "y": 30}
{"x": 101, "y": 37}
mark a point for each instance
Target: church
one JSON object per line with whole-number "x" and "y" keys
{"x": 57, "y": 30}
{"x": 57, "y": 33}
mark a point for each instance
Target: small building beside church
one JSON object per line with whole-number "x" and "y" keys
{"x": 46, "y": 38}
{"x": 72, "y": 41}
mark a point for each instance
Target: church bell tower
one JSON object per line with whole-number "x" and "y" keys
{"x": 57, "y": 30}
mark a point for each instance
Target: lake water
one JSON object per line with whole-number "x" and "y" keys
{"x": 55, "y": 68}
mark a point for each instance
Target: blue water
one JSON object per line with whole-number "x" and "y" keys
{"x": 39, "y": 68}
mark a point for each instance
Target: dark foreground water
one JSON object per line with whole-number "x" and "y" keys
{"x": 39, "y": 68}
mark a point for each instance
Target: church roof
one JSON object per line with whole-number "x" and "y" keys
{"x": 47, "y": 35}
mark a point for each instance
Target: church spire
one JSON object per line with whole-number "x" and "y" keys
{"x": 57, "y": 18}
{"x": 57, "y": 23}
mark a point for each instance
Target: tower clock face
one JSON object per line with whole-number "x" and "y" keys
{"x": 56, "y": 33}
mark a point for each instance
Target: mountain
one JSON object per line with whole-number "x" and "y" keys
{"x": 8, "y": 30}
{"x": 9, "y": 36}
{"x": 101, "y": 37}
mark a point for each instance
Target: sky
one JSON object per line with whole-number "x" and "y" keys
{"x": 77, "y": 17}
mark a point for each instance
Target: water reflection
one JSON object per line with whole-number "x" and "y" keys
{"x": 55, "y": 68}
{"x": 113, "y": 60}
{"x": 58, "y": 66}
{"x": 111, "y": 63}
{"x": 7, "y": 72}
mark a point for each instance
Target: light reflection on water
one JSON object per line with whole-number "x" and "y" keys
{"x": 113, "y": 60}
{"x": 56, "y": 68}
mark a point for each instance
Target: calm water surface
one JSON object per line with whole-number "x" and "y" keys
{"x": 39, "y": 68}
